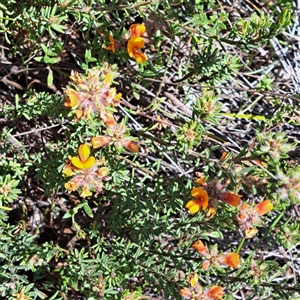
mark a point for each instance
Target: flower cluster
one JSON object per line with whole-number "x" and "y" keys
{"x": 115, "y": 134}
{"x": 92, "y": 93}
{"x": 213, "y": 258}
{"x": 88, "y": 174}
{"x": 196, "y": 292}
{"x": 208, "y": 195}
{"x": 249, "y": 217}
{"x": 134, "y": 43}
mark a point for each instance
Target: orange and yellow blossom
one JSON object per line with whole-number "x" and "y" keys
{"x": 133, "y": 46}
{"x": 231, "y": 259}
{"x": 200, "y": 201}
{"x": 73, "y": 98}
{"x": 232, "y": 199}
{"x": 85, "y": 172}
{"x": 200, "y": 247}
{"x": 263, "y": 207}
{"x": 195, "y": 291}
{"x": 215, "y": 292}
{"x": 137, "y": 30}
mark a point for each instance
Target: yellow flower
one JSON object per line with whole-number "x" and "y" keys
{"x": 85, "y": 161}
{"x": 133, "y": 46}
{"x": 85, "y": 193}
{"x": 193, "y": 279}
{"x": 68, "y": 170}
{"x": 73, "y": 98}
{"x": 250, "y": 232}
{"x": 200, "y": 201}
{"x": 211, "y": 212}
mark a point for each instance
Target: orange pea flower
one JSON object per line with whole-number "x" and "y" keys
{"x": 200, "y": 247}
{"x": 232, "y": 199}
{"x": 85, "y": 161}
{"x": 263, "y": 207}
{"x": 133, "y": 46}
{"x": 195, "y": 291}
{"x": 137, "y": 30}
{"x": 231, "y": 259}
{"x": 200, "y": 201}
{"x": 215, "y": 292}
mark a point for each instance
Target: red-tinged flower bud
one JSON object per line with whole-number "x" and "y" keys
{"x": 129, "y": 145}
{"x": 186, "y": 293}
{"x": 215, "y": 292}
{"x": 100, "y": 141}
{"x": 263, "y": 207}
{"x": 200, "y": 247}
{"x": 205, "y": 265}
{"x": 232, "y": 199}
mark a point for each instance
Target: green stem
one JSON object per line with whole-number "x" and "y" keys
{"x": 240, "y": 245}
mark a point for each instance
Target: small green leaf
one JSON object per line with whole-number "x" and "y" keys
{"x": 88, "y": 210}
